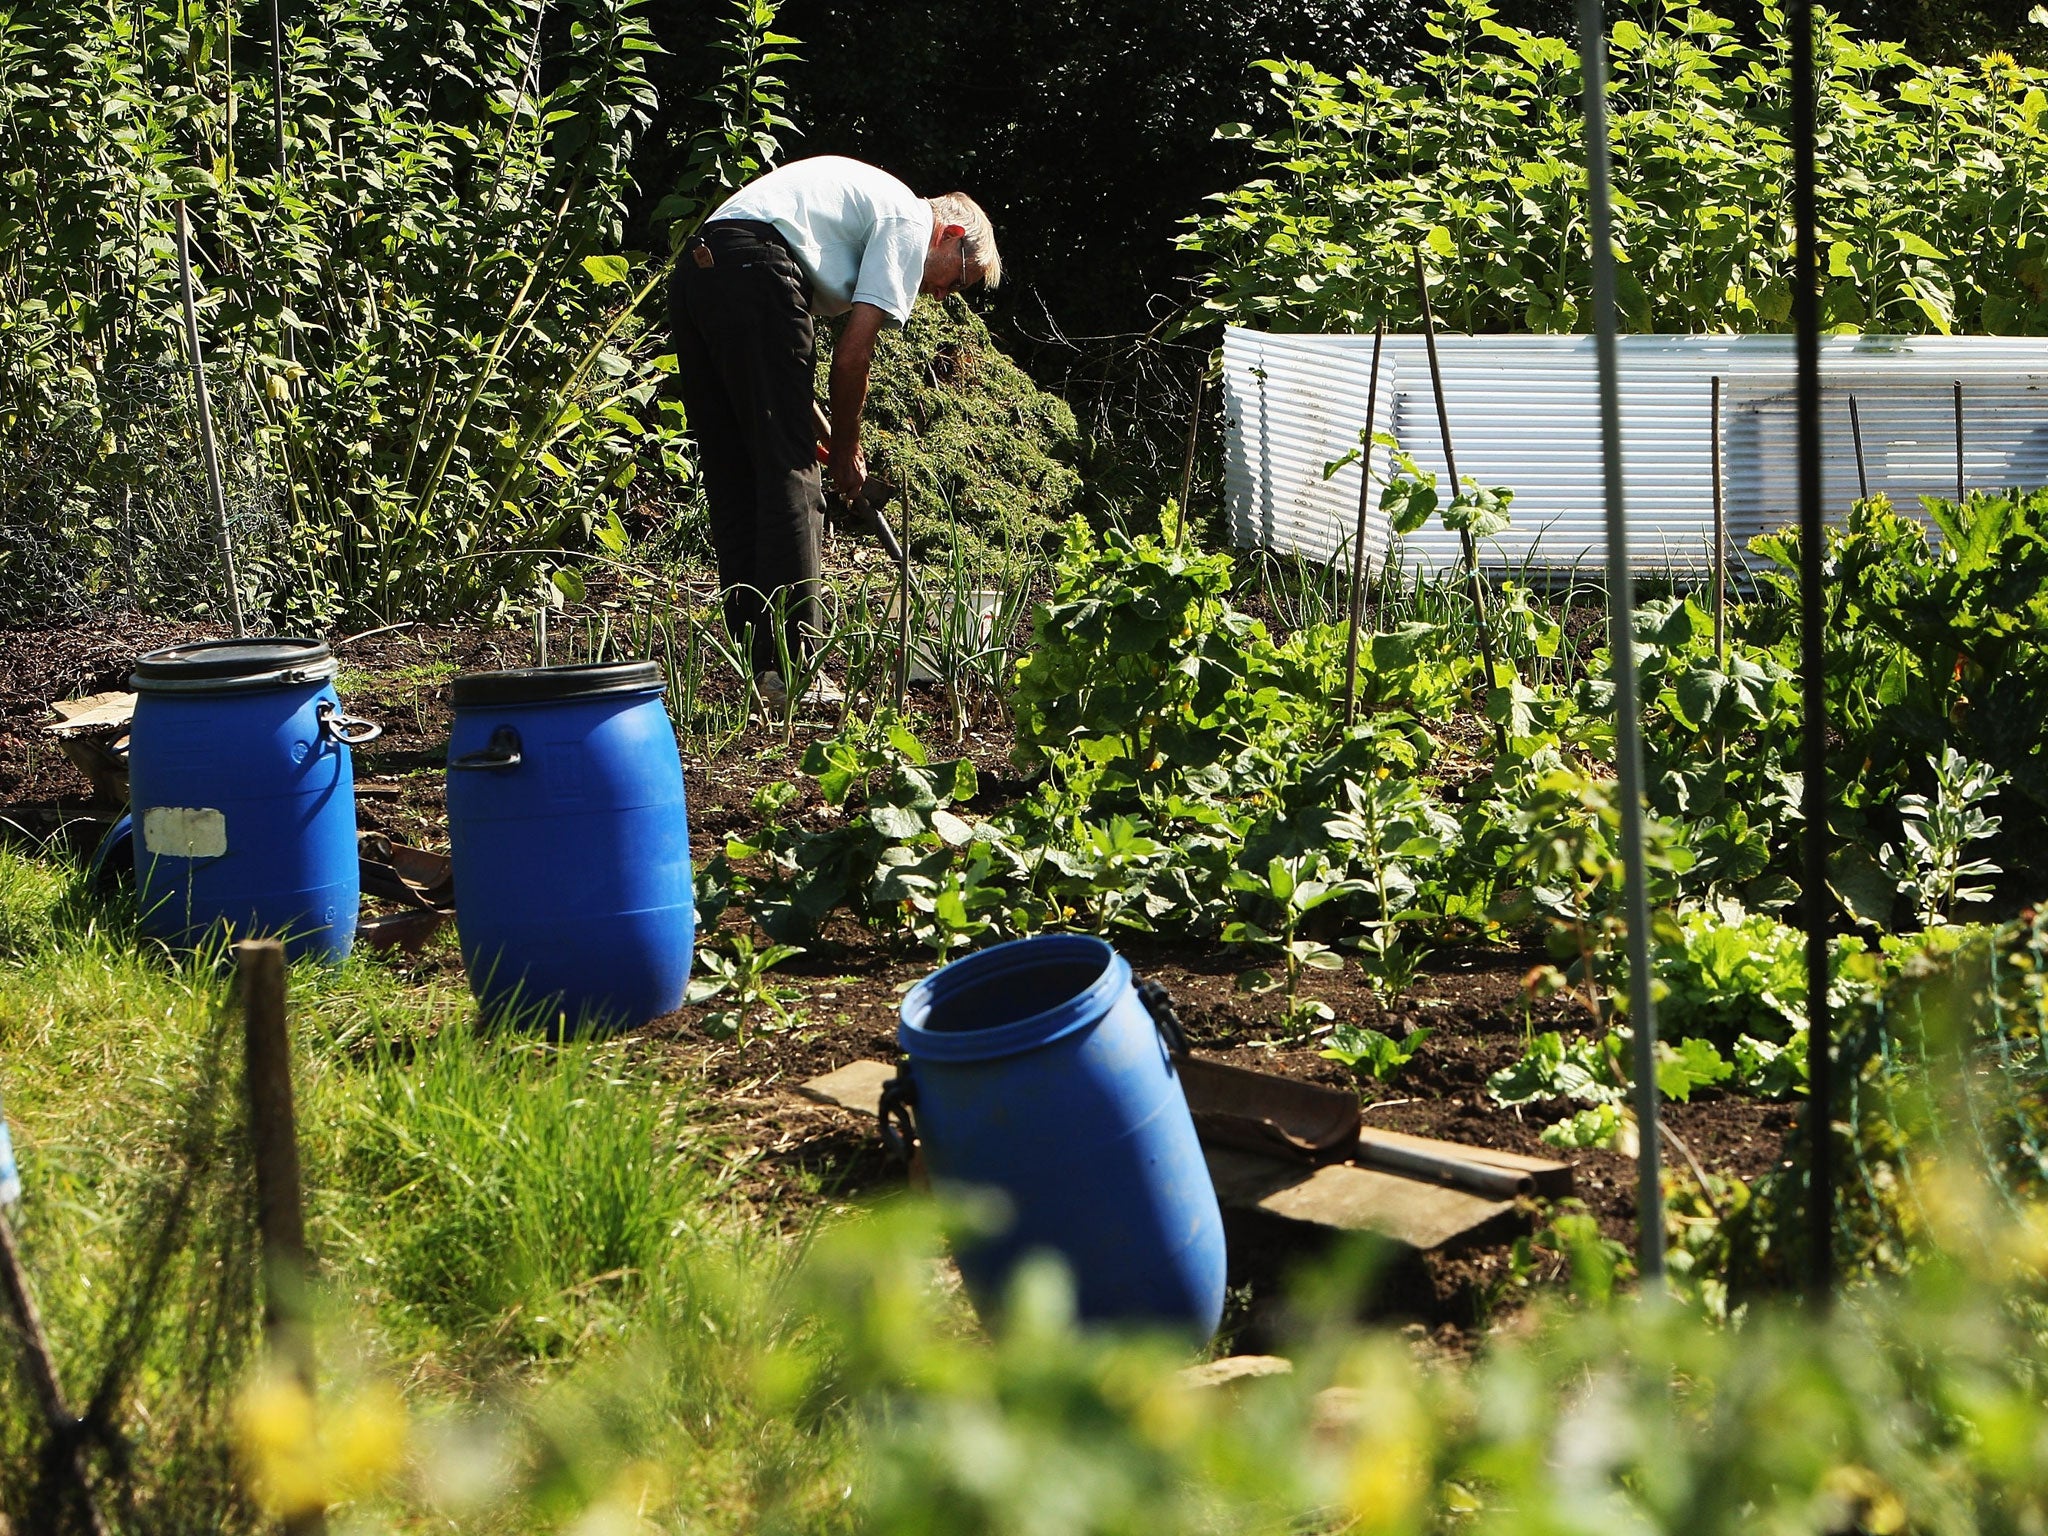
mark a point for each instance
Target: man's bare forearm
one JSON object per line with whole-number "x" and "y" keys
{"x": 852, "y": 357}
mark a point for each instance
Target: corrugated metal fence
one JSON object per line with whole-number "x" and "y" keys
{"x": 1524, "y": 413}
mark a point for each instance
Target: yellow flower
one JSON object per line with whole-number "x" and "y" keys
{"x": 297, "y": 1461}
{"x": 2001, "y": 72}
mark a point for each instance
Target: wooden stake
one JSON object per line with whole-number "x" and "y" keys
{"x": 1720, "y": 537}
{"x": 274, "y": 1148}
{"x": 208, "y": 446}
{"x": 1372, "y": 405}
{"x": 1443, "y": 422}
{"x": 40, "y": 1366}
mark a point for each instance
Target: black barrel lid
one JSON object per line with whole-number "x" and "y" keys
{"x": 233, "y": 666}
{"x": 555, "y": 685}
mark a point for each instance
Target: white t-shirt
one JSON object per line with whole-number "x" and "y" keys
{"x": 858, "y": 233}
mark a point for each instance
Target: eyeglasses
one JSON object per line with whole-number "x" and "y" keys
{"x": 960, "y": 282}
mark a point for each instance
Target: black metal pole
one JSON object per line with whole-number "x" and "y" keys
{"x": 1856, "y": 432}
{"x": 1959, "y": 440}
{"x": 1820, "y": 1206}
{"x": 1621, "y": 617}
{"x": 1372, "y": 405}
{"x": 1720, "y": 537}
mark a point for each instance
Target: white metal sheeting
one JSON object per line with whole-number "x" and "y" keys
{"x": 1524, "y": 413}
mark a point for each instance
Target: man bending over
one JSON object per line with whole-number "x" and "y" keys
{"x": 825, "y": 236}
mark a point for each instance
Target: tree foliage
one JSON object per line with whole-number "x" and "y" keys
{"x": 1933, "y": 186}
{"x": 418, "y": 323}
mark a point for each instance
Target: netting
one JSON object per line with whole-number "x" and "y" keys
{"x": 1941, "y": 1108}
{"x": 151, "y": 1390}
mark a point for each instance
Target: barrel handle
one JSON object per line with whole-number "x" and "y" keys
{"x": 899, "y": 1130}
{"x": 1159, "y": 1003}
{"x": 345, "y": 729}
{"x": 502, "y": 752}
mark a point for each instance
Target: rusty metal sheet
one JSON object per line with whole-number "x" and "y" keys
{"x": 1264, "y": 1112}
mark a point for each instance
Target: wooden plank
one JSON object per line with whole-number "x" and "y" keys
{"x": 1341, "y": 1197}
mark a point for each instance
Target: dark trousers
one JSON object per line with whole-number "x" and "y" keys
{"x": 746, "y": 359}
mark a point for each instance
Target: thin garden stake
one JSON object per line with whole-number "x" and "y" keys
{"x": 291, "y": 354}
{"x": 1372, "y": 405}
{"x": 1187, "y": 463}
{"x": 1959, "y": 440}
{"x": 1820, "y": 1203}
{"x": 208, "y": 446}
{"x": 1621, "y": 617}
{"x": 1720, "y": 535}
{"x": 1856, "y": 435}
{"x": 903, "y": 591}
{"x": 1443, "y": 423}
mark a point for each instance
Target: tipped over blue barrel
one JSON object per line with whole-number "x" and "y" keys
{"x": 571, "y": 845}
{"x": 1038, "y": 1072}
{"x": 242, "y": 795}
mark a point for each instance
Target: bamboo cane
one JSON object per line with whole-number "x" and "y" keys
{"x": 1187, "y": 466}
{"x": 1471, "y": 550}
{"x": 208, "y": 446}
{"x": 1372, "y": 404}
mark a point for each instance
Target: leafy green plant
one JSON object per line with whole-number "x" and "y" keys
{"x": 1553, "y": 1067}
{"x": 1370, "y": 1053}
{"x": 1930, "y": 865}
{"x": 1595, "y": 1129}
{"x": 1293, "y": 888}
{"x": 739, "y": 973}
{"x": 427, "y": 347}
{"x": 748, "y": 115}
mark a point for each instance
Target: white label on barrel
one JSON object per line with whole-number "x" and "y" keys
{"x": 184, "y": 832}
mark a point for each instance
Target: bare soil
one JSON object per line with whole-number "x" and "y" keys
{"x": 790, "y": 1157}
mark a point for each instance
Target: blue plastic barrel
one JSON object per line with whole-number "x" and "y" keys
{"x": 1035, "y": 1070}
{"x": 242, "y": 795}
{"x": 571, "y": 845}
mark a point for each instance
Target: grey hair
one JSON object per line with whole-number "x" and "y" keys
{"x": 980, "y": 239}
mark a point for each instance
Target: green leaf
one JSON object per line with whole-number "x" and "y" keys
{"x": 607, "y": 270}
